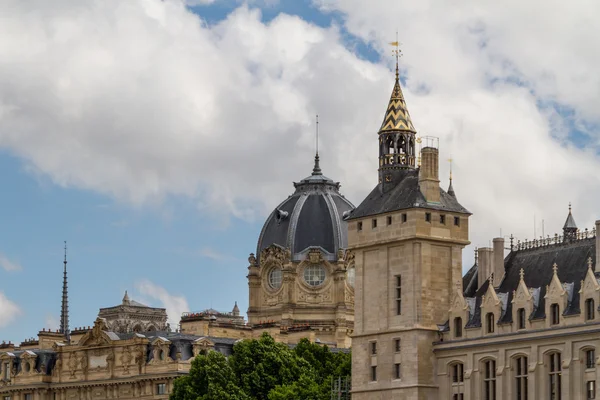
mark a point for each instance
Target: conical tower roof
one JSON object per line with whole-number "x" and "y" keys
{"x": 570, "y": 222}
{"x": 397, "y": 117}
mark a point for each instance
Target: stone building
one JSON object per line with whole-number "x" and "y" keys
{"x": 521, "y": 324}
{"x": 131, "y": 316}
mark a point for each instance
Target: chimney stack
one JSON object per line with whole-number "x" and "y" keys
{"x": 429, "y": 181}
{"x": 485, "y": 265}
{"x": 498, "y": 267}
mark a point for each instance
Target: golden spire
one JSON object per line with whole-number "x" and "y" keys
{"x": 397, "y": 117}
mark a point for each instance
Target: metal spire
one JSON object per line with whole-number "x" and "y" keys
{"x": 317, "y": 168}
{"x": 64, "y": 310}
{"x": 450, "y": 188}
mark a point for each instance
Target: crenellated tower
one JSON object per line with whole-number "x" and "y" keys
{"x": 406, "y": 238}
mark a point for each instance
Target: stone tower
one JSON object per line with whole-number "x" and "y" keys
{"x": 407, "y": 238}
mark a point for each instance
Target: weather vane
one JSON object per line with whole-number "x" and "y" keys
{"x": 396, "y": 52}
{"x": 450, "y": 161}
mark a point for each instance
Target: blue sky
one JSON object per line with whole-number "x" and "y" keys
{"x": 155, "y": 138}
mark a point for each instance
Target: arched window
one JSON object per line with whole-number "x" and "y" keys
{"x": 554, "y": 376}
{"x": 458, "y": 327}
{"x": 489, "y": 380}
{"x": 589, "y": 310}
{"x": 457, "y": 385}
{"x": 521, "y": 378}
{"x": 489, "y": 321}
{"x": 137, "y": 328}
{"x": 521, "y": 318}
{"x": 554, "y": 314}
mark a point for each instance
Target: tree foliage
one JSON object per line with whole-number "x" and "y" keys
{"x": 263, "y": 369}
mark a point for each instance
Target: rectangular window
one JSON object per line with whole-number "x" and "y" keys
{"x": 404, "y": 217}
{"x": 398, "y": 295}
{"x": 457, "y": 385}
{"x": 427, "y": 217}
{"x": 521, "y": 318}
{"x": 374, "y": 223}
{"x": 443, "y": 219}
{"x": 389, "y": 220}
{"x": 591, "y": 389}
{"x": 359, "y": 226}
{"x": 521, "y": 377}
{"x": 457, "y": 221}
{"x": 373, "y": 348}
{"x": 590, "y": 359}
{"x": 27, "y": 396}
{"x": 589, "y": 309}
{"x": 398, "y": 345}
{"x": 489, "y": 380}
{"x": 374, "y": 373}
{"x": 554, "y": 314}
{"x": 457, "y": 373}
{"x": 6, "y": 397}
{"x": 458, "y": 327}
{"x": 457, "y": 396}
{"x": 161, "y": 388}
{"x": 397, "y": 371}
{"x": 7, "y": 371}
{"x": 490, "y": 322}
{"x": 554, "y": 378}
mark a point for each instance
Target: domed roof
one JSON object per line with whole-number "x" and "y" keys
{"x": 313, "y": 216}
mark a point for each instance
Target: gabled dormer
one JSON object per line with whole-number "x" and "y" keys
{"x": 458, "y": 314}
{"x": 589, "y": 295}
{"x": 491, "y": 310}
{"x": 203, "y": 345}
{"x": 556, "y": 300}
{"x": 522, "y": 304}
{"x": 160, "y": 350}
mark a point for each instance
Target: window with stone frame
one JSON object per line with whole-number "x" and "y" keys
{"x": 521, "y": 378}
{"x": 397, "y": 345}
{"x": 28, "y": 396}
{"x": 457, "y": 384}
{"x": 521, "y": 318}
{"x": 6, "y": 371}
{"x": 589, "y": 310}
{"x": 590, "y": 358}
{"x": 489, "y": 380}
{"x": 489, "y": 322}
{"x": 590, "y": 390}
{"x": 554, "y": 376}
{"x": 397, "y": 371}
{"x": 458, "y": 327}
{"x": 373, "y": 373}
{"x": 373, "y": 348}
{"x": 161, "y": 388}
{"x": 554, "y": 314}
{"x": 398, "y": 295}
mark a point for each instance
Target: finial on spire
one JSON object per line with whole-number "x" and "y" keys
{"x": 64, "y": 309}
{"x": 397, "y": 53}
{"x": 126, "y": 298}
{"x": 521, "y": 274}
{"x": 450, "y": 188}
{"x": 317, "y": 168}
{"x": 590, "y": 262}
{"x": 555, "y": 268}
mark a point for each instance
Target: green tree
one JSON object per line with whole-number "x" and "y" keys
{"x": 210, "y": 378}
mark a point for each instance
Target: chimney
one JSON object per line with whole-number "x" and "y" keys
{"x": 597, "y": 245}
{"x": 498, "y": 267}
{"x": 429, "y": 181}
{"x": 485, "y": 265}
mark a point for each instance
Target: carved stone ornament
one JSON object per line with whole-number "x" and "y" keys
{"x": 126, "y": 358}
{"x": 83, "y": 361}
{"x": 275, "y": 253}
{"x": 315, "y": 256}
{"x": 72, "y": 364}
{"x": 252, "y": 260}
{"x": 349, "y": 260}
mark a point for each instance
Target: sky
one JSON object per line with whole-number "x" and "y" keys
{"x": 155, "y": 136}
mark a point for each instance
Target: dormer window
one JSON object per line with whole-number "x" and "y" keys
{"x": 554, "y": 314}
{"x": 458, "y": 327}
{"x": 589, "y": 309}
{"x": 6, "y": 371}
{"x": 521, "y": 318}
{"x": 489, "y": 319}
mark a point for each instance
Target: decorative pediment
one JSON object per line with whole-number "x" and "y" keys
{"x": 315, "y": 256}
{"x": 555, "y": 289}
{"x": 275, "y": 254}
{"x": 458, "y": 304}
{"x": 589, "y": 283}
{"x": 203, "y": 344}
{"x": 97, "y": 336}
{"x": 522, "y": 294}
{"x": 490, "y": 298}
{"x": 160, "y": 341}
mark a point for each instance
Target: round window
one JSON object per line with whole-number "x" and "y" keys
{"x": 275, "y": 277}
{"x": 314, "y": 275}
{"x": 351, "y": 275}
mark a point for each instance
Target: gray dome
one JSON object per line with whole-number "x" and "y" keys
{"x": 313, "y": 216}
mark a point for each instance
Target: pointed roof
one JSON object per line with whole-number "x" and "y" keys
{"x": 236, "y": 309}
{"x": 397, "y": 117}
{"x": 64, "y": 308}
{"x": 570, "y": 222}
{"x": 126, "y": 298}
{"x": 451, "y": 189}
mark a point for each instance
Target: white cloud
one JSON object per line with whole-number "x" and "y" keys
{"x": 9, "y": 265}
{"x": 215, "y": 255}
{"x": 8, "y": 310}
{"x": 51, "y": 322}
{"x": 141, "y": 100}
{"x": 175, "y": 305}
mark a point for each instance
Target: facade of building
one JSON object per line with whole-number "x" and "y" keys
{"x": 131, "y": 316}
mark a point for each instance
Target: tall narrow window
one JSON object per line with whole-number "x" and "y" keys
{"x": 489, "y": 320}
{"x": 389, "y": 219}
{"x": 397, "y": 371}
{"x": 489, "y": 380}
{"x": 554, "y": 314}
{"x": 373, "y": 373}
{"x": 427, "y": 217}
{"x": 374, "y": 223}
{"x": 398, "y": 345}
{"x": 521, "y": 318}
{"x": 6, "y": 371}
{"x": 373, "y": 348}
{"x": 589, "y": 309}
{"x": 458, "y": 327}
{"x": 161, "y": 388}
{"x": 521, "y": 378}
{"x": 456, "y": 221}
{"x": 457, "y": 385}
{"x": 359, "y": 226}
{"x": 442, "y": 219}
{"x": 398, "y": 294}
{"x": 554, "y": 378}
{"x": 404, "y": 217}
{"x": 590, "y": 389}
{"x": 590, "y": 358}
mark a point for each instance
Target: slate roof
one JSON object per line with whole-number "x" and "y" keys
{"x": 406, "y": 194}
{"x": 571, "y": 259}
{"x": 396, "y": 116}
{"x": 313, "y": 216}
